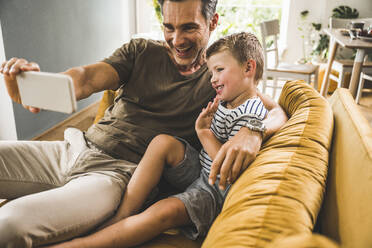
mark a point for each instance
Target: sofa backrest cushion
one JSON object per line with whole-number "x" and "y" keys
{"x": 347, "y": 213}
{"x": 280, "y": 193}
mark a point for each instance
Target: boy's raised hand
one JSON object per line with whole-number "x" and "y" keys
{"x": 205, "y": 117}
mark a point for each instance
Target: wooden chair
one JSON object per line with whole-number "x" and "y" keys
{"x": 342, "y": 66}
{"x": 363, "y": 78}
{"x": 282, "y": 70}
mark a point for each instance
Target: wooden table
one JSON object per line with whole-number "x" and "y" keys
{"x": 336, "y": 39}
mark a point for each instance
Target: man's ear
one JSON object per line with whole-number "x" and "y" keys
{"x": 213, "y": 22}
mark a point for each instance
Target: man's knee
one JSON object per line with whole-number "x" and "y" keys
{"x": 14, "y": 231}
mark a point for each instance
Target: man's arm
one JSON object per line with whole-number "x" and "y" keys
{"x": 93, "y": 78}
{"x": 87, "y": 79}
{"x": 236, "y": 154}
{"x": 275, "y": 118}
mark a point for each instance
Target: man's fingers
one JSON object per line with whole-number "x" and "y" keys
{"x": 237, "y": 166}
{"x": 31, "y": 109}
{"x": 32, "y": 66}
{"x": 15, "y": 65}
{"x": 226, "y": 167}
{"x": 2, "y": 66}
{"x": 34, "y": 110}
{"x": 216, "y": 165}
{"x": 8, "y": 65}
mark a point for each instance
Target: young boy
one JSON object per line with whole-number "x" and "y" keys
{"x": 236, "y": 64}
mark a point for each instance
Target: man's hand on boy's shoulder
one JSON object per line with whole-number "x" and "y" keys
{"x": 235, "y": 156}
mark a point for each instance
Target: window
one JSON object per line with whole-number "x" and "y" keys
{"x": 235, "y": 16}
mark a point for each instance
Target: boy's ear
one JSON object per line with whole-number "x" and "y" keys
{"x": 250, "y": 67}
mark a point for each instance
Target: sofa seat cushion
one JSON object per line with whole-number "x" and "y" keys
{"x": 281, "y": 192}
{"x": 304, "y": 241}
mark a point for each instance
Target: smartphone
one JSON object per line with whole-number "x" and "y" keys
{"x": 50, "y": 91}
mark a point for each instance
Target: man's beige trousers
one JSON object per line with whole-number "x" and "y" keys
{"x": 59, "y": 190}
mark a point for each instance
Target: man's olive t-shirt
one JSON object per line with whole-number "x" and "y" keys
{"x": 154, "y": 98}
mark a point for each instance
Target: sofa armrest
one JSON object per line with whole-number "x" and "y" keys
{"x": 346, "y": 214}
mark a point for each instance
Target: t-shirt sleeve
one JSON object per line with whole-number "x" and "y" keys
{"x": 252, "y": 109}
{"x": 123, "y": 59}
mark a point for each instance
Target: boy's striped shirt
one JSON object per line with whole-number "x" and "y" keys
{"x": 227, "y": 122}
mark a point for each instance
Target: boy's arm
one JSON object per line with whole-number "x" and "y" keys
{"x": 209, "y": 142}
{"x": 203, "y": 124}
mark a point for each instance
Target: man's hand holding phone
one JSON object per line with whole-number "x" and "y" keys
{"x": 10, "y": 69}
{"x": 41, "y": 90}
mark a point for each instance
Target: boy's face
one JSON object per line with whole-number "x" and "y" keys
{"x": 231, "y": 80}
{"x": 186, "y": 31}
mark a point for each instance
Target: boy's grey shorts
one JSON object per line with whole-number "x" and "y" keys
{"x": 203, "y": 201}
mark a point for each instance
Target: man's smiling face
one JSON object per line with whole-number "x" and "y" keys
{"x": 186, "y": 32}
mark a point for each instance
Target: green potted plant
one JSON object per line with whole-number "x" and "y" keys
{"x": 157, "y": 8}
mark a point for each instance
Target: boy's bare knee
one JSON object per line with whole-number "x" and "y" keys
{"x": 174, "y": 150}
{"x": 164, "y": 139}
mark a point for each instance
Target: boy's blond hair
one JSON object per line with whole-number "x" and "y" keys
{"x": 243, "y": 47}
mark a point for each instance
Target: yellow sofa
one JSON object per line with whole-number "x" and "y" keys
{"x": 276, "y": 201}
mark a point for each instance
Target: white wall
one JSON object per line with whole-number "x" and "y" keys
{"x": 7, "y": 123}
{"x": 59, "y": 35}
{"x": 319, "y": 12}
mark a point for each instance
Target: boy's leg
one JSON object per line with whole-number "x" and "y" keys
{"x": 186, "y": 172}
{"x": 136, "y": 229}
{"x": 163, "y": 150}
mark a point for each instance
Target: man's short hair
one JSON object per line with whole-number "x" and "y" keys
{"x": 243, "y": 47}
{"x": 208, "y": 7}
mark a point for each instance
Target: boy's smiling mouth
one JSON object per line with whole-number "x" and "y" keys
{"x": 219, "y": 88}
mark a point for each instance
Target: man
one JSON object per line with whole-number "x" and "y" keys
{"x": 67, "y": 188}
